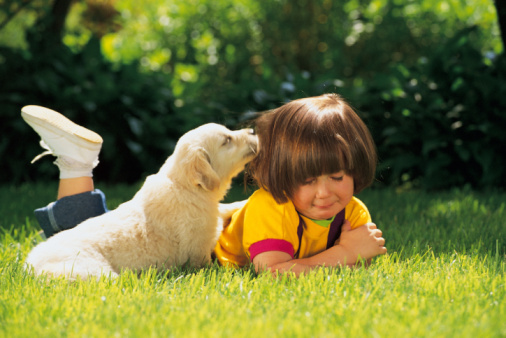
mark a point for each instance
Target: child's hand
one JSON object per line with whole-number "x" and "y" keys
{"x": 365, "y": 241}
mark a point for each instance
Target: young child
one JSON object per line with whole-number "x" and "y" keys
{"x": 315, "y": 153}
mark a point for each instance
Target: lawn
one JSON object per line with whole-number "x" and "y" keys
{"x": 444, "y": 276}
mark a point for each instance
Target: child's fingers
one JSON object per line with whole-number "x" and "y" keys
{"x": 346, "y": 226}
{"x": 381, "y": 241}
{"x": 374, "y": 229}
{"x": 378, "y": 234}
{"x": 371, "y": 225}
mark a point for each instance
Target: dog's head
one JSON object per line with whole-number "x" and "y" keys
{"x": 211, "y": 155}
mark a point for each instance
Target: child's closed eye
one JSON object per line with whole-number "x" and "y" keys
{"x": 309, "y": 181}
{"x": 337, "y": 178}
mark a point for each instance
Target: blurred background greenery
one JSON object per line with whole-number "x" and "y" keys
{"x": 428, "y": 77}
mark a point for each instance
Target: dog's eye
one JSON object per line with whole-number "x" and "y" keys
{"x": 228, "y": 139}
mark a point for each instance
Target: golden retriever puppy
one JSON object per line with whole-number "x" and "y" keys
{"x": 172, "y": 220}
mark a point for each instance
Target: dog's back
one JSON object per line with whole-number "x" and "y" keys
{"x": 172, "y": 220}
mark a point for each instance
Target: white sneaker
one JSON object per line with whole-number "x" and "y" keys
{"x": 75, "y": 147}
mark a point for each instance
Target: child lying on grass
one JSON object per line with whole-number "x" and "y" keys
{"x": 315, "y": 154}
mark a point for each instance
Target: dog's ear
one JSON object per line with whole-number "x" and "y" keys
{"x": 201, "y": 171}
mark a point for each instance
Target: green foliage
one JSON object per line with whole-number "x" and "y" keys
{"x": 442, "y": 121}
{"x": 444, "y": 276}
{"x": 222, "y": 53}
{"x": 315, "y": 36}
{"x": 132, "y": 111}
{"x": 412, "y": 69}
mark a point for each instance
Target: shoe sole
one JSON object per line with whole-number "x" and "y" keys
{"x": 57, "y": 123}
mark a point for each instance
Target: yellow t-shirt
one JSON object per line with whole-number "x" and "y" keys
{"x": 264, "y": 225}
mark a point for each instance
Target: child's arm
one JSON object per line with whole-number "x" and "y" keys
{"x": 364, "y": 242}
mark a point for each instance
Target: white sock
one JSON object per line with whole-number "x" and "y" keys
{"x": 70, "y": 168}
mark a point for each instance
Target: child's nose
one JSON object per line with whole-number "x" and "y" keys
{"x": 322, "y": 190}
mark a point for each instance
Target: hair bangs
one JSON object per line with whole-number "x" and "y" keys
{"x": 318, "y": 152}
{"x": 308, "y": 138}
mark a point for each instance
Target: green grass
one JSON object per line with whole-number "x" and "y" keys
{"x": 444, "y": 276}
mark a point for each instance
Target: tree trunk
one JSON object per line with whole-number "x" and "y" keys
{"x": 59, "y": 15}
{"x": 500, "y": 6}
{"x": 50, "y": 32}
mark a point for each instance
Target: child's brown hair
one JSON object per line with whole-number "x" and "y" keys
{"x": 311, "y": 137}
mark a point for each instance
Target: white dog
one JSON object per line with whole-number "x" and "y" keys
{"x": 172, "y": 220}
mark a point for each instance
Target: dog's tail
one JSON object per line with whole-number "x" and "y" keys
{"x": 227, "y": 210}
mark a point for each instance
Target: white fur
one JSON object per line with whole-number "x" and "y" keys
{"x": 172, "y": 220}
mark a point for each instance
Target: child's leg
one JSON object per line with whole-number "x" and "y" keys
{"x": 73, "y": 186}
{"x": 69, "y": 211}
{"x": 76, "y": 150}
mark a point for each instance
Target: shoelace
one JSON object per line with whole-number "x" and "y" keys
{"x": 47, "y": 152}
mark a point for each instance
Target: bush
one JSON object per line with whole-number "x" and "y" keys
{"x": 133, "y": 112}
{"x": 441, "y": 123}
{"x": 437, "y": 124}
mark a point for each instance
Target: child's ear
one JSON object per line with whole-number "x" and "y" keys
{"x": 201, "y": 171}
